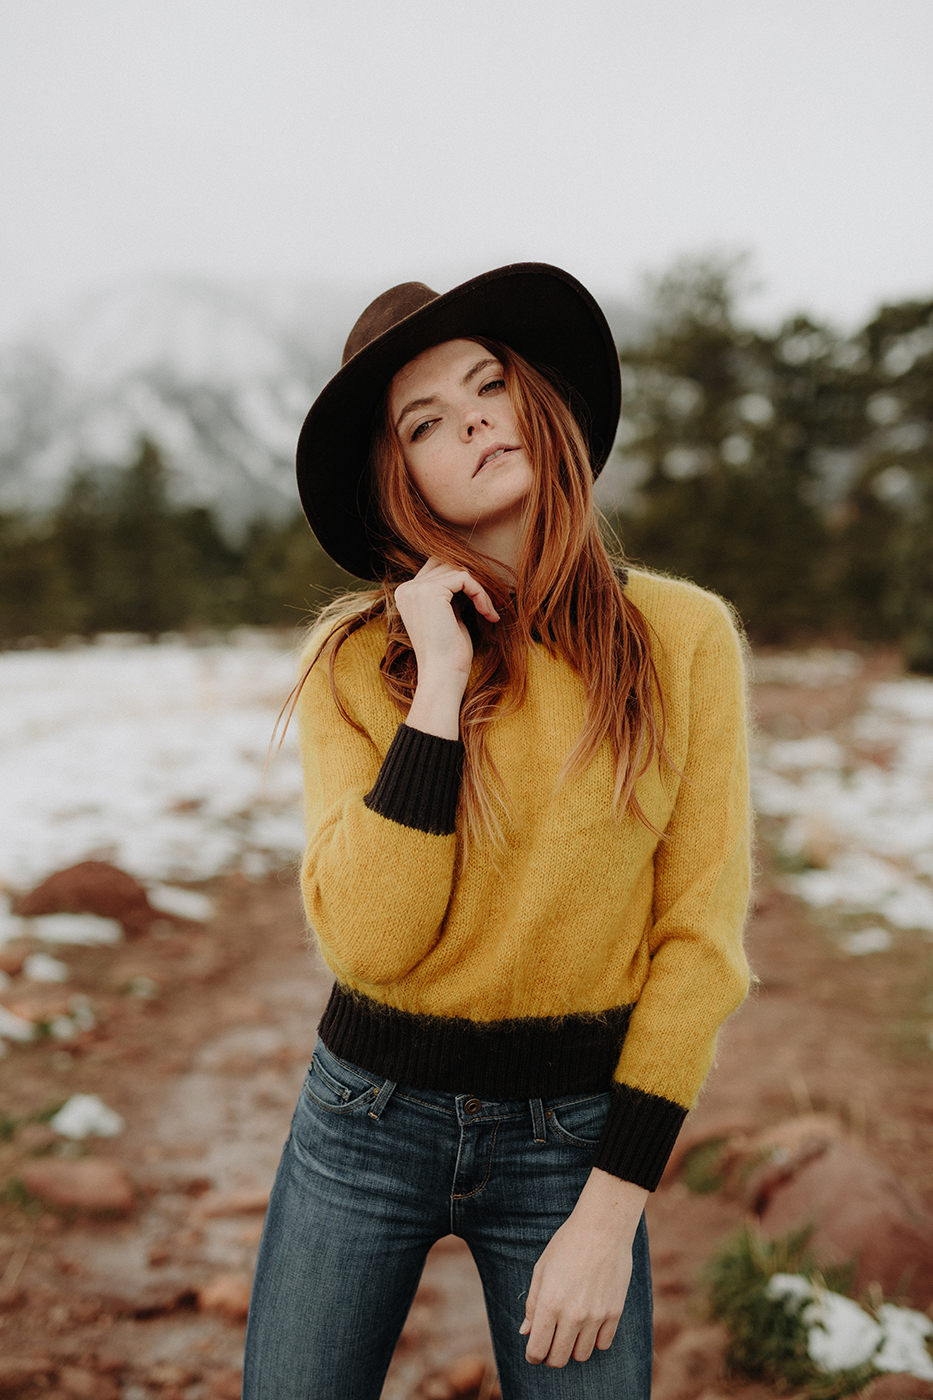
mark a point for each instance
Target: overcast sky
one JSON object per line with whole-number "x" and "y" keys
{"x": 374, "y": 141}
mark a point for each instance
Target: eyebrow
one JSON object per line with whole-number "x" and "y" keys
{"x": 426, "y": 403}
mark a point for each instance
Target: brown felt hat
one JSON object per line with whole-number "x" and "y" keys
{"x": 539, "y": 311}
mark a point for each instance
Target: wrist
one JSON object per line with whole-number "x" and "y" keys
{"x": 435, "y": 706}
{"x": 607, "y": 1201}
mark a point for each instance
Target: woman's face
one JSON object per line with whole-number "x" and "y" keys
{"x": 459, "y": 437}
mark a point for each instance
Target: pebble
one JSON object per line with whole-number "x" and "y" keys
{"x": 226, "y": 1295}
{"x": 90, "y": 1184}
{"x": 246, "y": 1201}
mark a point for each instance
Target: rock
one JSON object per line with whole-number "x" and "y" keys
{"x": 700, "y": 1129}
{"x": 93, "y": 887}
{"x": 860, "y": 1210}
{"x": 692, "y": 1363}
{"x": 226, "y": 1385}
{"x": 227, "y": 1295}
{"x": 899, "y": 1387}
{"x": 466, "y": 1374}
{"x": 11, "y": 960}
{"x": 91, "y": 1184}
{"x": 87, "y": 1385}
{"x": 759, "y": 1164}
{"x": 248, "y": 1201}
{"x": 436, "y": 1388}
{"x": 169, "y": 1373}
{"x": 16, "y": 1372}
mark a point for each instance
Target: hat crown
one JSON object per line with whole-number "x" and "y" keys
{"x": 384, "y": 313}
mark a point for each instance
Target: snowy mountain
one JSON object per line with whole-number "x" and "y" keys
{"x": 220, "y": 376}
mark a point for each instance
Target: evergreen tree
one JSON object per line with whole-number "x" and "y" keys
{"x": 727, "y": 495}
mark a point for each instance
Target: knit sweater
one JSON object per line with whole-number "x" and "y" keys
{"x": 586, "y": 953}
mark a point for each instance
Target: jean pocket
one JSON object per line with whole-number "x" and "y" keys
{"x": 343, "y": 1094}
{"x": 579, "y": 1122}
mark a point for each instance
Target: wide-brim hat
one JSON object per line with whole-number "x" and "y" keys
{"x": 543, "y": 313}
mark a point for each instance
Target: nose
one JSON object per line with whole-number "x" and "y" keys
{"x": 473, "y": 420}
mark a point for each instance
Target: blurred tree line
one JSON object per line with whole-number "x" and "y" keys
{"x": 118, "y": 555}
{"x": 790, "y": 471}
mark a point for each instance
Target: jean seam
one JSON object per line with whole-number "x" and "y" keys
{"x": 468, "y": 1195}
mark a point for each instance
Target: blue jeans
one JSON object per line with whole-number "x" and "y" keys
{"x": 371, "y": 1176}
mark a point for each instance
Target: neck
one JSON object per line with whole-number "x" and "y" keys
{"x": 500, "y": 541}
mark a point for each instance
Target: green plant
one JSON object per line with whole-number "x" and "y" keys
{"x": 768, "y": 1338}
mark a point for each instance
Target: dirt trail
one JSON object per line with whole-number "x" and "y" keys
{"x": 206, "y": 1072}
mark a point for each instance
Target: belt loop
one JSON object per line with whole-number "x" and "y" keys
{"x": 537, "y": 1120}
{"x": 382, "y": 1098}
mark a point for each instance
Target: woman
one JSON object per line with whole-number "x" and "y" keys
{"x": 527, "y": 858}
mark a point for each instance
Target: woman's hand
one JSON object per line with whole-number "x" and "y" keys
{"x": 579, "y": 1284}
{"x": 442, "y": 645}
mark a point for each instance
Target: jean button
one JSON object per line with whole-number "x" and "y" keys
{"x": 472, "y": 1106}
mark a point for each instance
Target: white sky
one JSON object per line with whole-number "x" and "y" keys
{"x": 379, "y": 140}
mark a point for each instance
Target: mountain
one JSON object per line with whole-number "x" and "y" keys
{"x": 219, "y": 375}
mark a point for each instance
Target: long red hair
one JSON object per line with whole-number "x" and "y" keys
{"x": 569, "y": 594}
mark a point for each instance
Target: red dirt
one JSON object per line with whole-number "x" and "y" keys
{"x": 205, "y": 1074}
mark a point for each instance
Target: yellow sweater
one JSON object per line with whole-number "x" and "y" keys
{"x": 585, "y": 955}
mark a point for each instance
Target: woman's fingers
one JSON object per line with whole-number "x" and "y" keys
{"x": 457, "y": 581}
{"x": 606, "y": 1334}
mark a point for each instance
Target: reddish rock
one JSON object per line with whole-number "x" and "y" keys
{"x": 899, "y": 1387}
{"x": 91, "y": 1184}
{"x": 227, "y": 1295}
{"x": 860, "y": 1210}
{"x": 466, "y": 1374}
{"x": 760, "y": 1164}
{"x": 11, "y": 960}
{"x": 169, "y": 1373}
{"x": 93, "y": 887}
{"x": 691, "y": 1364}
{"x": 436, "y": 1388}
{"x": 249, "y": 1201}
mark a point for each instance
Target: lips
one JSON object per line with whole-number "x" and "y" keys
{"x": 492, "y": 454}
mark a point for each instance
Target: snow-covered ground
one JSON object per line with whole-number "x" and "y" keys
{"x": 855, "y": 806}
{"x": 151, "y": 756}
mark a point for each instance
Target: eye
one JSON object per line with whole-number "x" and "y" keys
{"x": 492, "y": 385}
{"x": 422, "y": 428}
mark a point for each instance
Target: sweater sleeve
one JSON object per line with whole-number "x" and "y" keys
{"x": 379, "y": 864}
{"x": 698, "y": 972}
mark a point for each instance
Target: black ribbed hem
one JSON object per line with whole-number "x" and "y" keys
{"x": 639, "y": 1136}
{"x": 419, "y": 782}
{"x": 527, "y": 1058}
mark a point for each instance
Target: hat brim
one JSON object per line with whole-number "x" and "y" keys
{"x": 543, "y": 313}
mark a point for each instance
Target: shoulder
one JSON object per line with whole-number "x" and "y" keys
{"x": 677, "y": 610}
{"x": 690, "y": 626}
{"x": 356, "y": 668}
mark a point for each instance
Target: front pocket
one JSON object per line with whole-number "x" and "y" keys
{"x": 580, "y": 1124}
{"x": 326, "y": 1091}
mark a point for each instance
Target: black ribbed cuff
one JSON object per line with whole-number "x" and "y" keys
{"x": 419, "y": 782}
{"x": 639, "y": 1136}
